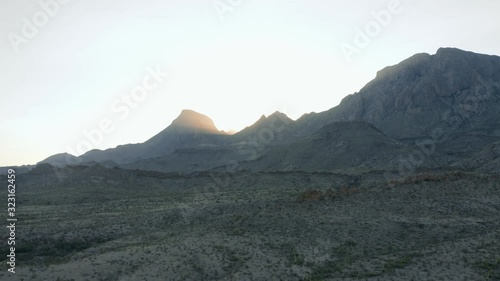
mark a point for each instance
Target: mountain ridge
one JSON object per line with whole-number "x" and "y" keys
{"x": 411, "y": 92}
{"x": 453, "y": 91}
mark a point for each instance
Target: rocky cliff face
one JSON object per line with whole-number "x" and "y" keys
{"x": 453, "y": 90}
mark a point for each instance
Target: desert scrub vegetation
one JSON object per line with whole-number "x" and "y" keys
{"x": 258, "y": 230}
{"x": 444, "y": 177}
{"x": 51, "y": 250}
{"x": 342, "y": 257}
{"x": 398, "y": 263}
{"x": 293, "y": 256}
{"x": 316, "y": 195}
{"x": 489, "y": 268}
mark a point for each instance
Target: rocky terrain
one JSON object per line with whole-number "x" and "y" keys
{"x": 401, "y": 181}
{"x": 454, "y": 91}
{"x": 95, "y": 223}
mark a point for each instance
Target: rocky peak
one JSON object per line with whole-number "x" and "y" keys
{"x": 275, "y": 122}
{"x": 411, "y": 99}
{"x": 275, "y": 119}
{"x": 192, "y": 120}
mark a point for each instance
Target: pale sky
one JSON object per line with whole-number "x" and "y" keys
{"x": 232, "y": 60}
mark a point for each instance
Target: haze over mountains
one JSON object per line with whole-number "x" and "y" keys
{"x": 450, "y": 101}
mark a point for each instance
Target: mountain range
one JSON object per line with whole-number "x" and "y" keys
{"x": 443, "y": 109}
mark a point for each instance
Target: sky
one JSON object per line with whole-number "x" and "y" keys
{"x": 78, "y": 75}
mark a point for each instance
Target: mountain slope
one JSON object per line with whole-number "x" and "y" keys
{"x": 453, "y": 90}
{"x": 59, "y": 160}
{"x": 450, "y": 99}
{"x": 486, "y": 160}
{"x": 188, "y": 129}
{"x": 188, "y": 122}
{"x": 339, "y": 145}
{"x": 267, "y": 129}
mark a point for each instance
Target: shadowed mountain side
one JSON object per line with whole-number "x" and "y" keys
{"x": 188, "y": 129}
{"x": 272, "y": 128}
{"x": 342, "y": 145}
{"x": 459, "y": 146}
{"x": 194, "y": 121}
{"x": 486, "y": 160}
{"x": 188, "y": 122}
{"x": 450, "y": 99}
{"x": 19, "y": 169}
{"x": 200, "y": 158}
{"x": 454, "y": 90}
{"x": 246, "y": 145}
{"x": 194, "y": 132}
{"x": 59, "y": 160}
